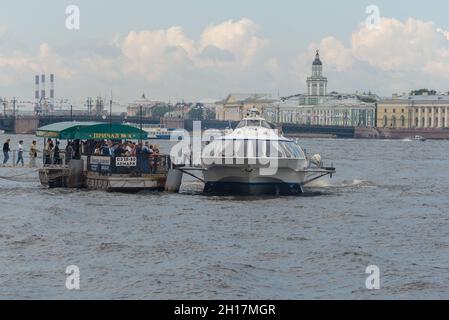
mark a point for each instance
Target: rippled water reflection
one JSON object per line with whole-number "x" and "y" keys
{"x": 387, "y": 205}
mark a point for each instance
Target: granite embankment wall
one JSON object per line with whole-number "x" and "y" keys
{"x": 387, "y": 133}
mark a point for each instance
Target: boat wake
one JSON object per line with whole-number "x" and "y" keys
{"x": 344, "y": 184}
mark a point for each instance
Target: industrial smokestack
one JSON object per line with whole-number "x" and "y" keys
{"x": 43, "y": 86}
{"x": 52, "y": 92}
{"x": 52, "y": 86}
{"x": 36, "y": 92}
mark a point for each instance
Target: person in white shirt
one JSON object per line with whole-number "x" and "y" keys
{"x": 129, "y": 149}
{"x": 20, "y": 154}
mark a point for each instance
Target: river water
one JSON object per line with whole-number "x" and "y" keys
{"x": 386, "y": 206}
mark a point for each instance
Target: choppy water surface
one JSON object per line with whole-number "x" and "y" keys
{"x": 387, "y": 205}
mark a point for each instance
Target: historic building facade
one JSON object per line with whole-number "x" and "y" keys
{"x": 318, "y": 107}
{"x": 345, "y": 112}
{"x": 414, "y": 112}
{"x": 237, "y": 105}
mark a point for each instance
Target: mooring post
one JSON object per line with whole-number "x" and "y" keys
{"x": 174, "y": 180}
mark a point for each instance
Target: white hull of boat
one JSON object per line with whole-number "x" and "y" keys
{"x": 289, "y": 178}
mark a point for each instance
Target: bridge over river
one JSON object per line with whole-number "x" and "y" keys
{"x": 29, "y": 124}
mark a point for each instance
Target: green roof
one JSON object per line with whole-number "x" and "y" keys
{"x": 91, "y": 131}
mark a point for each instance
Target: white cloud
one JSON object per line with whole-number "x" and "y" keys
{"x": 233, "y": 56}
{"x": 166, "y": 60}
{"x": 239, "y": 38}
{"x": 154, "y": 52}
{"x": 397, "y": 45}
{"x": 407, "y": 54}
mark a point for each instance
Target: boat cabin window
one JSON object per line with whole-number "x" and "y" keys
{"x": 254, "y": 123}
{"x": 256, "y": 148}
{"x": 291, "y": 150}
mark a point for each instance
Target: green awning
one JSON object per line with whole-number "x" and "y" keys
{"x": 91, "y": 131}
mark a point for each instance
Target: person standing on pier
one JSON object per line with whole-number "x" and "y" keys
{"x": 20, "y": 154}
{"x": 48, "y": 152}
{"x": 69, "y": 152}
{"x": 6, "y": 151}
{"x": 33, "y": 154}
{"x": 56, "y": 155}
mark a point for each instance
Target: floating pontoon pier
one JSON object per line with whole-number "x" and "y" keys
{"x": 104, "y": 172}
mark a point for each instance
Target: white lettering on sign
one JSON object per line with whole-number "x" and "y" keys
{"x": 126, "y": 162}
{"x": 104, "y": 161}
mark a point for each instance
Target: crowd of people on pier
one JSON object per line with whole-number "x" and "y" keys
{"x": 145, "y": 153}
{"x": 118, "y": 149}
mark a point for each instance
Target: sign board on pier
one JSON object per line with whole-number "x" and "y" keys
{"x": 126, "y": 161}
{"x": 96, "y": 161}
{"x": 104, "y": 161}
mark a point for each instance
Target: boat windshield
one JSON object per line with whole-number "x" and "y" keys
{"x": 256, "y": 148}
{"x": 254, "y": 123}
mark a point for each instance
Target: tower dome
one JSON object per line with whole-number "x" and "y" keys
{"x": 316, "y": 84}
{"x": 317, "y": 61}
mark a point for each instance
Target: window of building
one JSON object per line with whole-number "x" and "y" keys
{"x": 402, "y": 121}
{"x": 385, "y": 121}
{"x": 394, "y": 110}
{"x": 393, "y": 122}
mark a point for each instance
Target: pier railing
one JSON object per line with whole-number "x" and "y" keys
{"x": 14, "y": 157}
{"x": 49, "y": 159}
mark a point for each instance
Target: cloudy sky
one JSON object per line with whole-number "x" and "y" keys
{"x": 196, "y": 49}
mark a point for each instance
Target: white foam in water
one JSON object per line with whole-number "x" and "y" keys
{"x": 320, "y": 183}
{"x": 323, "y": 183}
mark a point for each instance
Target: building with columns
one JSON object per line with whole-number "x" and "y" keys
{"x": 336, "y": 111}
{"x": 414, "y": 112}
{"x": 318, "y": 107}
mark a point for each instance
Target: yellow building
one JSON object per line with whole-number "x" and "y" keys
{"x": 413, "y": 112}
{"x": 237, "y": 105}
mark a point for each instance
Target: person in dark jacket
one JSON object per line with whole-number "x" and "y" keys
{"x": 6, "y": 151}
{"x": 48, "y": 150}
{"x": 56, "y": 155}
{"x": 119, "y": 151}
